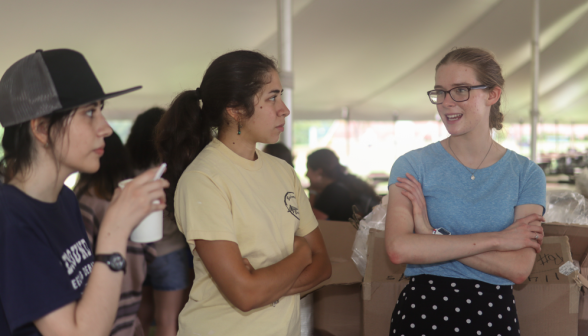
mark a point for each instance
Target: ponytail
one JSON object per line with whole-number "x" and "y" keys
{"x": 180, "y": 136}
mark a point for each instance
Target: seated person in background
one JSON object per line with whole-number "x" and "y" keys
{"x": 280, "y": 151}
{"x": 94, "y": 193}
{"x": 334, "y": 192}
{"x": 169, "y": 276}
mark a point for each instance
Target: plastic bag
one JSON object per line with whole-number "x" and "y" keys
{"x": 374, "y": 220}
{"x": 566, "y": 207}
{"x": 582, "y": 182}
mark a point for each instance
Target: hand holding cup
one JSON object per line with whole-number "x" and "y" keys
{"x": 137, "y": 199}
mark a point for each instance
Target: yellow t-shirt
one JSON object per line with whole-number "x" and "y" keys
{"x": 261, "y": 206}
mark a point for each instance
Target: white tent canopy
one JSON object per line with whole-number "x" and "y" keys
{"x": 375, "y": 56}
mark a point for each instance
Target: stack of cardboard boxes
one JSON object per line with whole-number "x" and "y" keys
{"x": 548, "y": 302}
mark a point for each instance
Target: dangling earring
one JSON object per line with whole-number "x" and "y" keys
{"x": 238, "y": 128}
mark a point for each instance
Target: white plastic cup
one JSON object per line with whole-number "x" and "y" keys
{"x": 151, "y": 228}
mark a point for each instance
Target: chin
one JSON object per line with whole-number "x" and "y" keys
{"x": 454, "y": 130}
{"x": 89, "y": 169}
{"x": 271, "y": 139}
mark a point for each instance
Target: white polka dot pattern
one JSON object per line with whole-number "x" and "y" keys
{"x": 436, "y": 305}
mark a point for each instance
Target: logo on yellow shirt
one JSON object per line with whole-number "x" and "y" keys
{"x": 291, "y": 204}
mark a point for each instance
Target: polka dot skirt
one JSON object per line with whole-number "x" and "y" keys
{"x": 434, "y": 305}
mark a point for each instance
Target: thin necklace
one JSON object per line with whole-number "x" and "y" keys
{"x": 471, "y": 172}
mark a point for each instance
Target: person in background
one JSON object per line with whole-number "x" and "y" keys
{"x": 94, "y": 193}
{"x": 464, "y": 213}
{"x": 169, "y": 276}
{"x": 255, "y": 241}
{"x": 52, "y": 283}
{"x": 280, "y": 151}
{"x": 334, "y": 192}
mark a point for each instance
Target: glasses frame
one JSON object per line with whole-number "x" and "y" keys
{"x": 448, "y": 92}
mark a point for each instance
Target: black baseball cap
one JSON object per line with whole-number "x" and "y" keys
{"x": 46, "y": 82}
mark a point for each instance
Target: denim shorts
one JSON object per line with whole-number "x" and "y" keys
{"x": 170, "y": 272}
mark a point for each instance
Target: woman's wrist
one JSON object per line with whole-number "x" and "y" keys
{"x": 425, "y": 229}
{"x": 495, "y": 241}
{"x": 113, "y": 232}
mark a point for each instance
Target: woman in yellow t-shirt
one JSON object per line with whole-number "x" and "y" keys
{"x": 247, "y": 220}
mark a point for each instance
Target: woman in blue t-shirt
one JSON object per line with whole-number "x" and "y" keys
{"x": 51, "y": 110}
{"x": 464, "y": 214}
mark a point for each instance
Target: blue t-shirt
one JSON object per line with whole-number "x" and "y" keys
{"x": 45, "y": 258}
{"x": 465, "y": 206}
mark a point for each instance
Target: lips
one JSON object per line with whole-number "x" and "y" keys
{"x": 99, "y": 151}
{"x": 453, "y": 117}
{"x": 281, "y": 127}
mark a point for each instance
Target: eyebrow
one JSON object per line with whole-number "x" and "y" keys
{"x": 276, "y": 91}
{"x": 453, "y": 86}
{"x": 94, "y": 104}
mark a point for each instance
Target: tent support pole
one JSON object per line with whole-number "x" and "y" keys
{"x": 535, "y": 81}
{"x": 285, "y": 60}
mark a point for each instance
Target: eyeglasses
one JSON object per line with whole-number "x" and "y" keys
{"x": 458, "y": 94}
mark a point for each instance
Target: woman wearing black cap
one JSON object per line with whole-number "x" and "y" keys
{"x": 51, "y": 109}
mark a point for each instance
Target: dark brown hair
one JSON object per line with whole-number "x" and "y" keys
{"x": 487, "y": 70}
{"x": 18, "y": 143}
{"x": 231, "y": 81}
{"x": 141, "y": 141}
{"x": 115, "y": 166}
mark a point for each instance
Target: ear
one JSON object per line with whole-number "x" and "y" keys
{"x": 494, "y": 95}
{"x": 234, "y": 113}
{"x": 39, "y": 129}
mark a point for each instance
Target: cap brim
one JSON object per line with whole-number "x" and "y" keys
{"x": 100, "y": 98}
{"x": 120, "y": 93}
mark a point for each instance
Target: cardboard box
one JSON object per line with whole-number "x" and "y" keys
{"x": 337, "y": 301}
{"x": 578, "y": 242}
{"x": 339, "y": 238}
{"x": 382, "y": 285}
{"x": 548, "y": 303}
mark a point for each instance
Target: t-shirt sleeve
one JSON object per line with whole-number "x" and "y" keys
{"x": 533, "y": 187}
{"x": 202, "y": 209}
{"x": 399, "y": 169}
{"x": 308, "y": 221}
{"x": 34, "y": 281}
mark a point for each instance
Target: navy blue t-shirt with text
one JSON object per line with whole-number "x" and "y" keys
{"x": 45, "y": 258}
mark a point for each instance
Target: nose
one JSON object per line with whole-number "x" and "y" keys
{"x": 103, "y": 129}
{"x": 284, "y": 111}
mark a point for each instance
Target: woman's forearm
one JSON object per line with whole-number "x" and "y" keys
{"x": 95, "y": 312}
{"x": 269, "y": 284}
{"x": 247, "y": 288}
{"x": 512, "y": 265}
{"x": 413, "y": 248}
{"x": 313, "y": 274}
